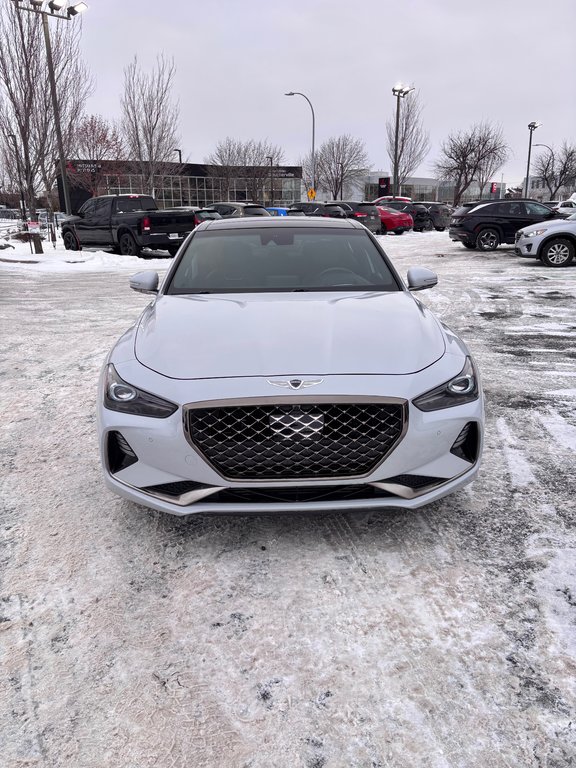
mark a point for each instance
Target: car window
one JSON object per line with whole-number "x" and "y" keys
{"x": 281, "y": 259}
{"x": 255, "y": 210}
{"x": 88, "y": 208}
{"x": 131, "y": 204}
{"x": 536, "y": 209}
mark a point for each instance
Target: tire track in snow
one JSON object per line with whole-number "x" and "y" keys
{"x": 519, "y": 469}
{"x": 563, "y": 433}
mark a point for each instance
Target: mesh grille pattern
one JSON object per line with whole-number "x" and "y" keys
{"x": 261, "y": 442}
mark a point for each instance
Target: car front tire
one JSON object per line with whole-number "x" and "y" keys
{"x": 488, "y": 240}
{"x": 70, "y": 241}
{"x": 558, "y": 252}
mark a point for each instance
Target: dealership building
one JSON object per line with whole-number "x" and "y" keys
{"x": 191, "y": 184}
{"x": 178, "y": 185}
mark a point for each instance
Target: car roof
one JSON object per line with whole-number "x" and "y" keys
{"x": 257, "y": 222}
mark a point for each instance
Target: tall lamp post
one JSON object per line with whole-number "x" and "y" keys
{"x": 400, "y": 91}
{"x": 179, "y": 155}
{"x": 297, "y": 93}
{"x": 531, "y": 127}
{"x": 56, "y": 11}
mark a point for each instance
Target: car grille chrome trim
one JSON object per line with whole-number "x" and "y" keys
{"x": 295, "y": 438}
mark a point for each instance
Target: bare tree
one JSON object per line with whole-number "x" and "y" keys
{"x": 222, "y": 165}
{"x": 463, "y": 154}
{"x": 247, "y": 160}
{"x": 150, "y": 118}
{"x": 413, "y": 140}
{"x": 25, "y": 107}
{"x": 340, "y": 161}
{"x": 556, "y": 169}
{"x": 96, "y": 140}
{"x": 255, "y": 160}
{"x": 487, "y": 168}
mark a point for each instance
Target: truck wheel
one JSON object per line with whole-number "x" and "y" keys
{"x": 558, "y": 252}
{"x": 128, "y": 246}
{"x": 70, "y": 241}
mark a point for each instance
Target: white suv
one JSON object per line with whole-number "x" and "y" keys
{"x": 553, "y": 242}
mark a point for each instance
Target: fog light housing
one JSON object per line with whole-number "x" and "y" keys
{"x": 120, "y": 453}
{"x": 467, "y": 443}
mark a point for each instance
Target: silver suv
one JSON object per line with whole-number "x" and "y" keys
{"x": 553, "y": 242}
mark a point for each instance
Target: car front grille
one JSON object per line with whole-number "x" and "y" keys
{"x": 296, "y": 441}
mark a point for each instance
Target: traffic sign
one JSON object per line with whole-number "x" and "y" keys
{"x": 311, "y": 194}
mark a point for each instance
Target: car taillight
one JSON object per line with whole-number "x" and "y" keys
{"x": 360, "y": 215}
{"x": 197, "y": 221}
{"x": 146, "y": 226}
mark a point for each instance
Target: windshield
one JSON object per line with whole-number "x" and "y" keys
{"x": 281, "y": 259}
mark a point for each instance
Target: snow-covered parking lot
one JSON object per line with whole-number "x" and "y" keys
{"x": 444, "y": 638}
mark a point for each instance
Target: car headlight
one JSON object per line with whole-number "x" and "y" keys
{"x": 458, "y": 391}
{"x": 533, "y": 233}
{"x": 121, "y": 396}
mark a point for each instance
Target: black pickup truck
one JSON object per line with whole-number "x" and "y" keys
{"x": 128, "y": 223}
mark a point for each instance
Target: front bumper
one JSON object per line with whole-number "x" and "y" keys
{"x": 171, "y": 475}
{"x": 527, "y": 247}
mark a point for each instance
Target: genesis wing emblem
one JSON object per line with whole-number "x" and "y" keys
{"x": 294, "y": 383}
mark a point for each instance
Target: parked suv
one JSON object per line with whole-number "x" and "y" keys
{"x": 553, "y": 242}
{"x": 440, "y": 214}
{"x": 233, "y": 210}
{"x": 420, "y": 216}
{"x": 485, "y": 225}
{"x": 365, "y": 213}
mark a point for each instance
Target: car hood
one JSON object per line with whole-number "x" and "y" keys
{"x": 190, "y": 337}
{"x": 547, "y": 225}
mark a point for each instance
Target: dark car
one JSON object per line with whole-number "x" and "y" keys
{"x": 333, "y": 211}
{"x": 234, "y": 210}
{"x": 485, "y": 225}
{"x": 200, "y": 214}
{"x": 440, "y": 214}
{"x": 420, "y": 215}
{"x": 365, "y": 213}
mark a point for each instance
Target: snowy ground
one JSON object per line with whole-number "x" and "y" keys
{"x": 439, "y": 639}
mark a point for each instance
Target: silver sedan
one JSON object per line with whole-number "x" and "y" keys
{"x": 284, "y": 365}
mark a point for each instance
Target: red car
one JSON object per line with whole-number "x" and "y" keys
{"x": 394, "y": 221}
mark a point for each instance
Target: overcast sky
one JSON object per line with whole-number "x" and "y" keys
{"x": 508, "y": 61}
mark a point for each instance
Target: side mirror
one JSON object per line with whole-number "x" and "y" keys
{"x": 421, "y": 278}
{"x": 145, "y": 282}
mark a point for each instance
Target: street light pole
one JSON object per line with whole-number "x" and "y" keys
{"x": 179, "y": 155}
{"x": 56, "y": 108}
{"x": 341, "y": 181}
{"x": 271, "y": 180}
{"x": 72, "y": 10}
{"x": 400, "y": 91}
{"x": 531, "y": 127}
{"x": 297, "y": 93}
